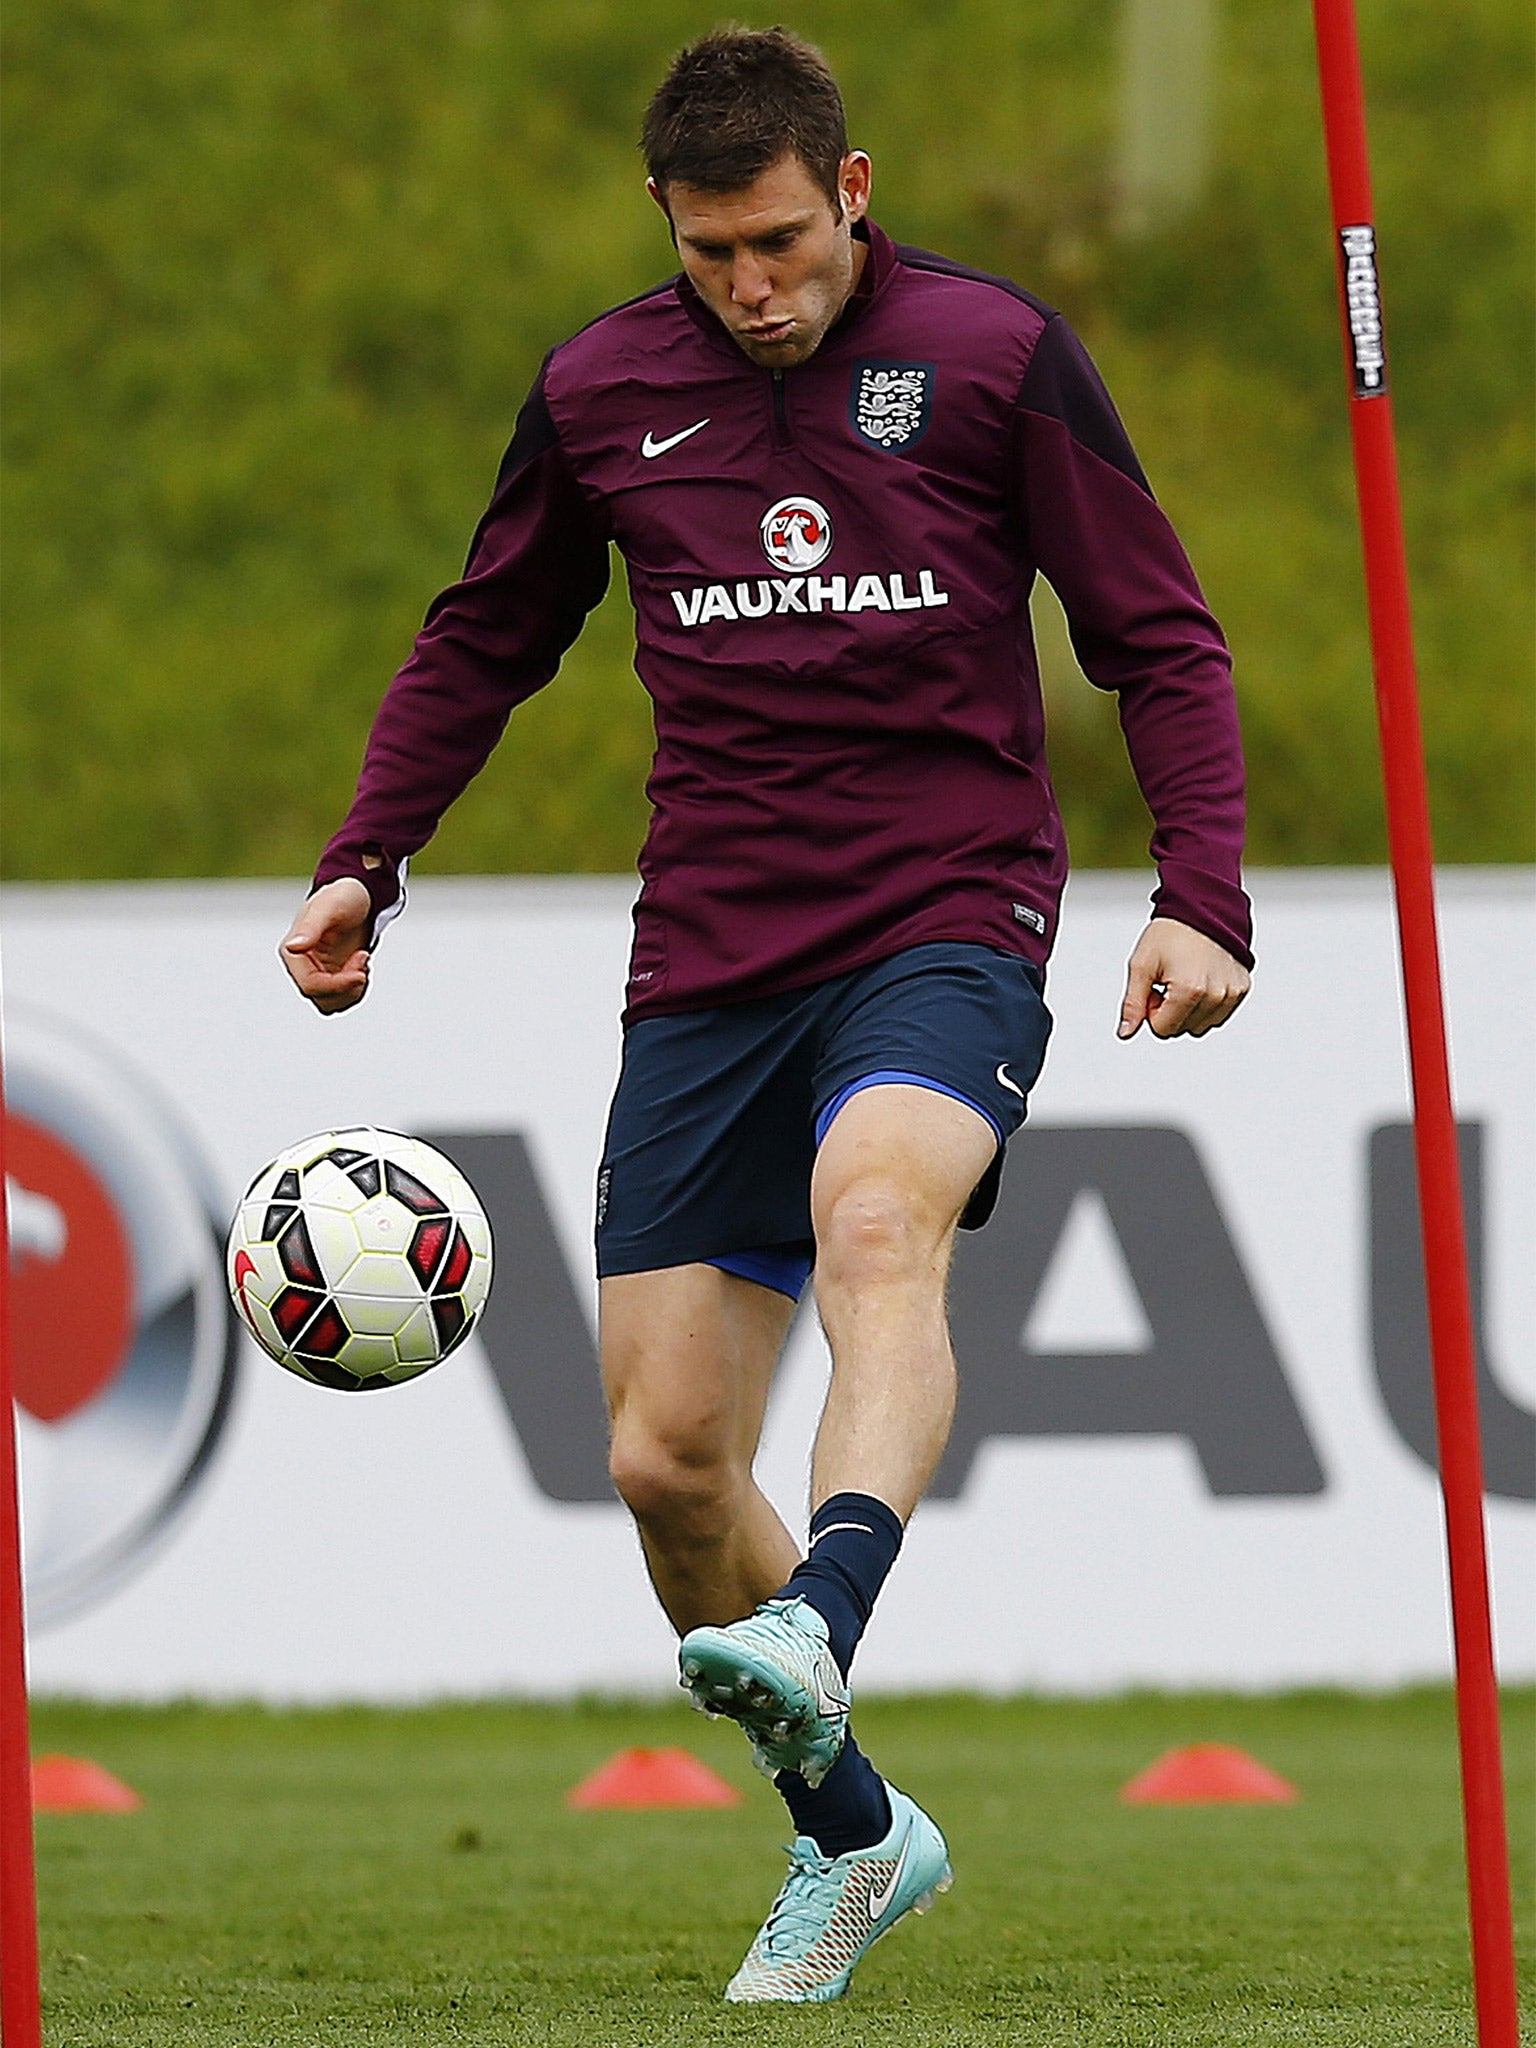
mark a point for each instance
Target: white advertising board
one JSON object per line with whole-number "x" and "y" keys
{"x": 1194, "y": 1442}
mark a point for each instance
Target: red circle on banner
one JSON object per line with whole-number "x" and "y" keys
{"x": 71, "y": 1274}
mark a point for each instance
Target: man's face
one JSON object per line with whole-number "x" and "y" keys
{"x": 775, "y": 262}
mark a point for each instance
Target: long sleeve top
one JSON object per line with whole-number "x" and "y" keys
{"x": 830, "y": 568}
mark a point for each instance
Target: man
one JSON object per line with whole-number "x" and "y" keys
{"x": 833, "y": 468}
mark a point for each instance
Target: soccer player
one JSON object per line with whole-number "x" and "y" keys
{"x": 833, "y": 467}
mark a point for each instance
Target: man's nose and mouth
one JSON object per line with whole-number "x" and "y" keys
{"x": 755, "y": 320}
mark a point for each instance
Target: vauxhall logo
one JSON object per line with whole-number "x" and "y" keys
{"x": 796, "y": 534}
{"x": 1196, "y": 1359}
{"x": 124, "y": 1343}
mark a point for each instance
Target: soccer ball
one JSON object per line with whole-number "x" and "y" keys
{"x": 359, "y": 1258}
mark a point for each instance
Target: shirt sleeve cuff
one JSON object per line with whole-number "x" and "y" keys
{"x": 1209, "y": 904}
{"x": 380, "y": 875}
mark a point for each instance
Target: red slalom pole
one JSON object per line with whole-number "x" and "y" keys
{"x": 1452, "y": 1343}
{"x": 21, "y": 2023}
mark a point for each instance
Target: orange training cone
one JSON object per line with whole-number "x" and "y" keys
{"x": 653, "y": 1777}
{"x": 73, "y": 1784}
{"x": 1208, "y": 1774}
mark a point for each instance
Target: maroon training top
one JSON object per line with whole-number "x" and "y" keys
{"x": 830, "y": 569}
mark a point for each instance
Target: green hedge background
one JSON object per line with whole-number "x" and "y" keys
{"x": 279, "y": 275}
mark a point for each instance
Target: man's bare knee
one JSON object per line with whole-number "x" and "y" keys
{"x": 874, "y": 1232}
{"x": 673, "y": 1480}
{"x": 891, "y": 1178}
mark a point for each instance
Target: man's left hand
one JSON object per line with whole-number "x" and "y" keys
{"x": 1180, "y": 982}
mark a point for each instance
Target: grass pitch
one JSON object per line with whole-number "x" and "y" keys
{"x": 356, "y": 1877}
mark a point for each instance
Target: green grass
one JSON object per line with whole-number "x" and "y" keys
{"x": 277, "y": 276}
{"x": 354, "y": 1877}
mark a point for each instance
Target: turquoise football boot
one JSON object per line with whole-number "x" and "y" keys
{"x": 775, "y": 1674}
{"x": 832, "y": 1908}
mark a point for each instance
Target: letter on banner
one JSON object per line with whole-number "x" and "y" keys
{"x": 1210, "y": 1373}
{"x": 540, "y": 1347}
{"x": 1400, "y": 1318}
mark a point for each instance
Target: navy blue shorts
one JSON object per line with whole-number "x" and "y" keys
{"x": 718, "y": 1113}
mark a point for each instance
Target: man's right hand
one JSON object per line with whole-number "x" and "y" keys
{"x": 325, "y": 950}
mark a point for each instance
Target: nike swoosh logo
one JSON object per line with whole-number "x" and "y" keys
{"x": 1004, "y": 1082}
{"x": 650, "y": 447}
{"x": 878, "y": 1899}
{"x": 830, "y": 1704}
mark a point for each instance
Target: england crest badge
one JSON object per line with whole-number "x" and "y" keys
{"x": 890, "y": 402}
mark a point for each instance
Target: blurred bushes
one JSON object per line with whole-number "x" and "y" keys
{"x": 279, "y": 276}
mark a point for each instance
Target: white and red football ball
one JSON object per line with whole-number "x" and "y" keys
{"x": 359, "y": 1258}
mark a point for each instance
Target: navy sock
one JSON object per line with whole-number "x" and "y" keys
{"x": 854, "y": 1541}
{"x": 849, "y": 1808}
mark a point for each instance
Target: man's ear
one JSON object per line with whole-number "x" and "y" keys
{"x": 854, "y": 178}
{"x": 660, "y": 198}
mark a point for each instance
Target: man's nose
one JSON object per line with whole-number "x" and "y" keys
{"x": 750, "y": 284}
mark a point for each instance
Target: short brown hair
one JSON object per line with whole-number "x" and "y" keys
{"x": 737, "y": 101}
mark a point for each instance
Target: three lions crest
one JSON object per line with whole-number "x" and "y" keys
{"x": 890, "y": 402}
